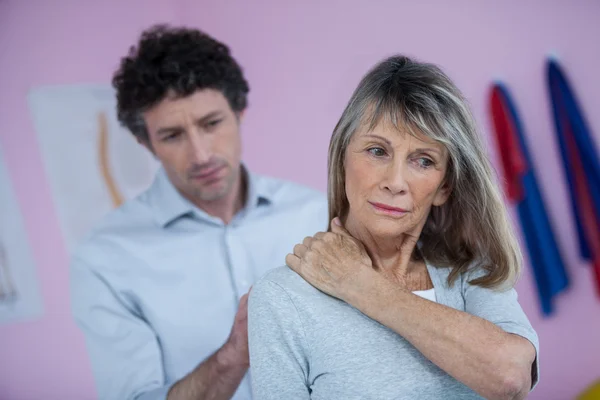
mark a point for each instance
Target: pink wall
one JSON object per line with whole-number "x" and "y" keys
{"x": 302, "y": 62}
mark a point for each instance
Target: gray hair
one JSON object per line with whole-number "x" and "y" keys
{"x": 472, "y": 228}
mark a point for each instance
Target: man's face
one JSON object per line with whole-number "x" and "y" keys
{"x": 197, "y": 140}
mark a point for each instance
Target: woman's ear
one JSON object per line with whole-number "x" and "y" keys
{"x": 442, "y": 195}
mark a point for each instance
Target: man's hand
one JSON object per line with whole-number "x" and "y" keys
{"x": 234, "y": 352}
{"x": 218, "y": 377}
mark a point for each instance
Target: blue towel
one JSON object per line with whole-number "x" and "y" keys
{"x": 545, "y": 258}
{"x": 570, "y": 125}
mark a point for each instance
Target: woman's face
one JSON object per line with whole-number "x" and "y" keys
{"x": 393, "y": 179}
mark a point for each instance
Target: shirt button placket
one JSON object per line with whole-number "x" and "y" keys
{"x": 239, "y": 262}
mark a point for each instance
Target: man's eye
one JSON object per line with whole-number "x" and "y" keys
{"x": 213, "y": 123}
{"x": 172, "y": 137}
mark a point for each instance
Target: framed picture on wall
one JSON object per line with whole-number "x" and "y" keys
{"x": 92, "y": 163}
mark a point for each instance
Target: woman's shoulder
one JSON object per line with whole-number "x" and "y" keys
{"x": 283, "y": 277}
{"x": 464, "y": 278}
{"x": 283, "y": 281}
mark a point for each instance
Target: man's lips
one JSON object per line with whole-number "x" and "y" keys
{"x": 208, "y": 174}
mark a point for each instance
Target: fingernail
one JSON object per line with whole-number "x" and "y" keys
{"x": 337, "y": 221}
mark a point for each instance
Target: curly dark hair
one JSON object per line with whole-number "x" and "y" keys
{"x": 181, "y": 60}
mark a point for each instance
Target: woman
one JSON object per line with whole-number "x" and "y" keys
{"x": 410, "y": 295}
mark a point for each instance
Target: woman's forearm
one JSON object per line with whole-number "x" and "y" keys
{"x": 492, "y": 362}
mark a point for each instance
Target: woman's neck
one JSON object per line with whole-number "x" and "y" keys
{"x": 394, "y": 256}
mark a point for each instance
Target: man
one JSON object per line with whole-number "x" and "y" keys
{"x": 160, "y": 286}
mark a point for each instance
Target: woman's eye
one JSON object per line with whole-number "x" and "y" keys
{"x": 377, "y": 151}
{"x": 425, "y": 162}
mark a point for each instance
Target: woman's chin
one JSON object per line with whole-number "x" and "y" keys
{"x": 385, "y": 229}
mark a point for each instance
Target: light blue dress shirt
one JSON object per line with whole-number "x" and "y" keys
{"x": 155, "y": 287}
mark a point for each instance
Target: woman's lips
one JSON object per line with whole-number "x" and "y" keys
{"x": 388, "y": 209}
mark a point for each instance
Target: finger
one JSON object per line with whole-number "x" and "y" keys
{"x": 243, "y": 304}
{"x": 300, "y": 250}
{"x": 337, "y": 227}
{"x": 242, "y": 311}
{"x": 319, "y": 235}
{"x": 244, "y": 299}
{"x": 293, "y": 262}
{"x": 307, "y": 241}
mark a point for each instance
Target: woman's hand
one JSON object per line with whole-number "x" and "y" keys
{"x": 334, "y": 262}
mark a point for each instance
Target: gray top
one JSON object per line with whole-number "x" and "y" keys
{"x": 305, "y": 344}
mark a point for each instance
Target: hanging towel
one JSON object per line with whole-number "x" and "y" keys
{"x": 580, "y": 163}
{"x": 522, "y": 190}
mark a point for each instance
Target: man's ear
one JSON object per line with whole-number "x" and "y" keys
{"x": 240, "y": 115}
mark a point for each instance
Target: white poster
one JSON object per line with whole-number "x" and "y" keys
{"x": 92, "y": 163}
{"x": 20, "y": 297}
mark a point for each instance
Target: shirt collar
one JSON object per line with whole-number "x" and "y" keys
{"x": 168, "y": 204}
{"x": 259, "y": 192}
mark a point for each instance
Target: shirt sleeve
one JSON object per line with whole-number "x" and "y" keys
{"x": 123, "y": 349}
{"x": 278, "y": 359}
{"x": 501, "y": 307}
